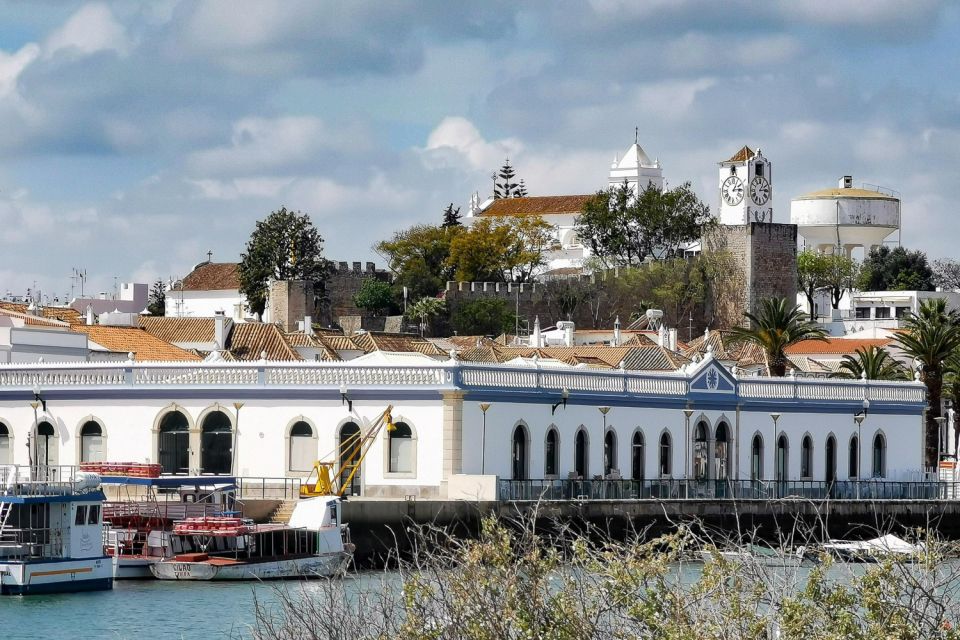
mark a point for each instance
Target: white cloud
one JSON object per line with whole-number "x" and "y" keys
{"x": 456, "y": 140}
{"x": 91, "y": 29}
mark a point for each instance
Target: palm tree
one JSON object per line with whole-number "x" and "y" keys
{"x": 777, "y": 325}
{"x": 876, "y": 363}
{"x": 932, "y": 336}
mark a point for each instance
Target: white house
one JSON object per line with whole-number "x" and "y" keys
{"x": 211, "y": 288}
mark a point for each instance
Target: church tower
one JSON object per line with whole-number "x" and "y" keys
{"x": 636, "y": 168}
{"x": 746, "y": 188}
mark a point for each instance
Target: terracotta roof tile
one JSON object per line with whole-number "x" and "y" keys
{"x": 249, "y": 339}
{"x": 301, "y": 340}
{"x": 180, "y": 329}
{"x": 212, "y": 276}
{"x": 836, "y": 346}
{"x": 654, "y": 358}
{"x": 374, "y": 341}
{"x": 35, "y": 321}
{"x": 536, "y": 206}
{"x": 145, "y": 347}
{"x": 743, "y": 155}
{"x": 63, "y": 314}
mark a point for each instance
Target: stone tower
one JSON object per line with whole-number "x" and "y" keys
{"x": 762, "y": 254}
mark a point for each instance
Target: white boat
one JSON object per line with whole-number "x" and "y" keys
{"x": 873, "y": 550}
{"x": 757, "y": 555}
{"x": 314, "y": 544}
{"x": 51, "y": 532}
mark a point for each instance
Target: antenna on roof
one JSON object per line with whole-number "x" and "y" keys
{"x": 636, "y": 135}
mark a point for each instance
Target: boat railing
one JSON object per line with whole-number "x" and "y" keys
{"x": 252, "y": 488}
{"x": 35, "y": 543}
{"x": 38, "y": 480}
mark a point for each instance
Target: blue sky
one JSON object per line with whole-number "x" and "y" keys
{"x": 137, "y": 136}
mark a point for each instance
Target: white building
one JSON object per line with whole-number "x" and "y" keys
{"x": 272, "y": 419}
{"x": 211, "y": 288}
{"x": 132, "y": 298}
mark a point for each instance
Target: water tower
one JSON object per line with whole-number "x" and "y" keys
{"x": 845, "y": 218}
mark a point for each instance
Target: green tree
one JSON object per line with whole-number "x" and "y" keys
{"x": 623, "y": 229}
{"x": 776, "y": 325}
{"x": 840, "y": 274}
{"x": 157, "y": 302}
{"x": 871, "y": 362}
{"x": 946, "y": 274}
{"x": 810, "y": 274}
{"x": 451, "y": 216}
{"x": 886, "y": 269}
{"x": 931, "y": 337}
{"x": 375, "y": 296}
{"x": 425, "y": 310}
{"x": 419, "y": 256}
{"x": 285, "y": 246}
{"x": 501, "y": 249}
{"x": 504, "y": 185}
{"x": 484, "y": 316}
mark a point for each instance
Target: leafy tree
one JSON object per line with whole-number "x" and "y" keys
{"x": 810, "y": 274}
{"x": 484, "y": 316}
{"x": 876, "y": 363}
{"x": 946, "y": 274}
{"x": 451, "y": 216}
{"x": 776, "y": 325}
{"x": 504, "y": 185}
{"x": 499, "y": 249}
{"x": 840, "y": 273}
{"x": 625, "y": 229}
{"x": 886, "y": 269}
{"x": 418, "y": 257}
{"x": 157, "y": 302}
{"x": 285, "y": 246}
{"x": 931, "y": 337}
{"x": 374, "y": 296}
{"x": 522, "y": 190}
{"x": 425, "y": 309}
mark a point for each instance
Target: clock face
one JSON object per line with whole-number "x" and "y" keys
{"x": 732, "y": 190}
{"x": 759, "y": 190}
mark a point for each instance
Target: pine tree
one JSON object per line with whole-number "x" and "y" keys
{"x": 451, "y": 216}
{"x": 521, "y": 190}
{"x": 505, "y": 187}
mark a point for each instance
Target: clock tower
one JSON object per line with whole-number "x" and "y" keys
{"x": 746, "y": 188}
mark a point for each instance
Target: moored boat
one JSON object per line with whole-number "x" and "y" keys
{"x": 51, "y": 532}
{"x": 314, "y": 544}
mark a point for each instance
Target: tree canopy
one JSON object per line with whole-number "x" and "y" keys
{"x": 157, "y": 302}
{"x": 418, "y": 258}
{"x": 625, "y": 229}
{"x": 505, "y": 185}
{"x": 897, "y": 269}
{"x": 776, "y": 325}
{"x": 501, "y": 249}
{"x": 374, "y": 296}
{"x": 451, "y": 216}
{"x": 872, "y": 363}
{"x": 484, "y": 316}
{"x": 834, "y": 273}
{"x": 284, "y": 246}
{"x": 946, "y": 274}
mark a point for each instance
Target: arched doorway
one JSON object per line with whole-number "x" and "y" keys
{"x": 551, "y": 466}
{"x": 756, "y": 458}
{"x": 666, "y": 455}
{"x": 48, "y": 451}
{"x": 303, "y": 449}
{"x": 721, "y": 452}
{"x": 782, "y": 452}
{"x": 6, "y": 455}
{"x": 609, "y": 453}
{"x": 700, "y": 459}
{"x": 174, "y": 443}
{"x": 349, "y": 447}
{"x": 879, "y": 456}
{"x": 581, "y": 449}
{"x": 519, "y": 457}
{"x": 806, "y": 458}
{"x": 216, "y": 444}
{"x": 830, "y": 468}
{"x": 91, "y": 442}
{"x": 853, "y": 464}
{"x": 636, "y": 462}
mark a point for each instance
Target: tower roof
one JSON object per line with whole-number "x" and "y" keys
{"x": 743, "y": 155}
{"x": 634, "y": 158}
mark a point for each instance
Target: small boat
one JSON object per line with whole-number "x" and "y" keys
{"x": 758, "y": 555}
{"x": 314, "y": 544}
{"x": 51, "y": 532}
{"x": 873, "y": 550}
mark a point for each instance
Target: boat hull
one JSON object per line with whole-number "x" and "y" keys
{"x": 56, "y": 576}
{"x": 325, "y": 565}
{"x": 134, "y": 568}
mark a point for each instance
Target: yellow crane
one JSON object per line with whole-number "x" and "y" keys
{"x": 331, "y": 477}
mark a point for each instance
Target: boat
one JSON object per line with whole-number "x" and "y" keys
{"x": 51, "y": 532}
{"x": 143, "y": 508}
{"x": 757, "y": 555}
{"x": 873, "y": 550}
{"x": 314, "y": 544}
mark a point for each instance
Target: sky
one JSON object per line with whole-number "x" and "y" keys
{"x": 137, "y": 136}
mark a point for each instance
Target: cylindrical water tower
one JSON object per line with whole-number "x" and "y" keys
{"x": 845, "y": 218}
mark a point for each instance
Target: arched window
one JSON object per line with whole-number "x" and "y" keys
{"x": 782, "y": 453}
{"x": 91, "y": 442}
{"x": 303, "y": 450}
{"x": 5, "y": 452}
{"x": 879, "y": 456}
{"x": 756, "y": 458}
{"x": 609, "y": 452}
{"x": 401, "y": 448}
{"x": 806, "y": 457}
{"x": 581, "y": 454}
{"x": 700, "y": 451}
{"x": 636, "y": 466}
{"x": 519, "y": 453}
{"x": 48, "y": 451}
{"x": 721, "y": 462}
{"x": 853, "y": 464}
{"x": 349, "y": 447}
{"x": 551, "y": 465}
{"x": 830, "y": 473}
{"x": 665, "y": 455}
{"x": 216, "y": 444}
{"x": 174, "y": 453}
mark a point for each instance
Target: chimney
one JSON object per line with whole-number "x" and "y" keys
{"x": 568, "y": 328}
{"x": 220, "y": 330}
{"x": 616, "y": 332}
{"x": 662, "y": 338}
{"x": 90, "y": 319}
{"x": 672, "y": 333}
{"x": 846, "y": 182}
{"x": 535, "y": 336}
{"x": 308, "y": 325}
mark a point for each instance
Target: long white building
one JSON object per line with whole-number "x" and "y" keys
{"x": 273, "y": 419}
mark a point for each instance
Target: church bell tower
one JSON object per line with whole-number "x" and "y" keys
{"x": 746, "y": 188}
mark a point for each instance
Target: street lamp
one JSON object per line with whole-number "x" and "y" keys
{"x": 483, "y": 438}
{"x": 564, "y": 394}
{"x": 236, "y": 437}
{"x": 859, "y": 418}
{"x": 773, "y": 459}
{"x": 345, "y": 399}
{"x": 686, "y": 443}
{"x": 603, "y": 440}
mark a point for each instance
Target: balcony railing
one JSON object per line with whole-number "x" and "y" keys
{"x": 669, "y": 489}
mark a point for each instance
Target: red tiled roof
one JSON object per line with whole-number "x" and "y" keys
{"x": 536, "y": 206}
{"x": 249, "y": 339}
{"x": 743, "y": 155}
{"x": 836, "y": 346}
{"x": 145, "y": 347}
{"x": 180, "y": 329}
{"x": 212, "y": 276}
{"x": 63, "y": 314}
{"x": 36, "y": 321}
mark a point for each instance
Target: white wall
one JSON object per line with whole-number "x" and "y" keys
{"x": 206, "y": 304}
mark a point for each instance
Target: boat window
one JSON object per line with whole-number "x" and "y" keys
{"x": 81, "y": 514}
{"x": 94, "y": 517}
